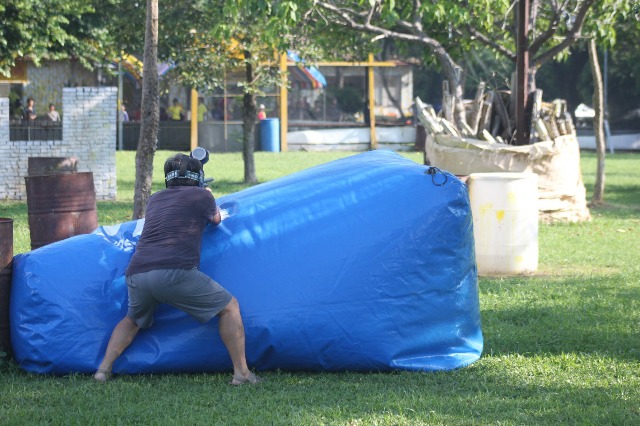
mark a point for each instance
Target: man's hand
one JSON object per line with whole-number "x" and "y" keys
{"x": 220, "y": 215}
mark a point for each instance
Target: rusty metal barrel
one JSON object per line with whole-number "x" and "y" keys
{"x": 6, "y": 267}
{"x": 60, "y": 206}
{"x": 39, "y": 166}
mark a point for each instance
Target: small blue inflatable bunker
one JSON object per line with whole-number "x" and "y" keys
{"x": 362, "y": 264}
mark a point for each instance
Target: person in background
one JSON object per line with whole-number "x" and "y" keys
{"x": 217, "y": 113}
{"x": 163, "y": 114}
{"x": 124, "y": 115}
{"x": 29, "y": 112}
{"x": 202, "y": 109}
{"x": 262, "y": 114}
{"x": 164, "y": 269}
{"x": 175, "y": 111}
{"x": 53, "y": 115}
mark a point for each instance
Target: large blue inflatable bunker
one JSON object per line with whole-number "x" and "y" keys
{"x": 363, "y": 264}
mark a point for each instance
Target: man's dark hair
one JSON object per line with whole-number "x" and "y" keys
{"x": 174, "y": 164}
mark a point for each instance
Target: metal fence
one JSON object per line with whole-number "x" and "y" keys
{"x": 35, "y": 130}
{"x": 215, "y": 136}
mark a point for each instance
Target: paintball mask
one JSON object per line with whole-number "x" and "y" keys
{"x": 187, "y": 168}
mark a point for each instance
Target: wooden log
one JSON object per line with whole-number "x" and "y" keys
{"x": 485, "y": 119}
{"x": 541, "y": 130}
{"x": 570, "y": 126}
{"x": 449, "y": 128}
{"x": 559, "y": 107}
{"x": 427, "y": 117}
{"x": 536, "y": 107}
{"x": 496, "y": 125}
{"x": 466, "y": 130}
{"x": 429, "y": 108}
{"x": 552, "y": 128}
{"x": 500, "y": 102}
{"x": 486, "y": 136}
{"x": 476, "y": 108}
{"x": 447, "y": 102}
{"x": 512, "y": 97}
{"x": 430, "y": 123}
{"x": 559, "y": 112}
{"x": 562, "y": 126}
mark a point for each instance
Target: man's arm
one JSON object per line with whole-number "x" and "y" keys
{"x": 217, "y": 218}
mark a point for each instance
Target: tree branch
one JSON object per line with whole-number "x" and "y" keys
{"x": 533, "y": 16}
{"x": 490, "y": 43}
{"x": 348, "y": 17}
{"x": 575, "y": 32}
{"x": 449, "y": 67}
{"x": 416, "y": 16}
{"x": 371, "y": 11}
{"x": 550, "y": 31}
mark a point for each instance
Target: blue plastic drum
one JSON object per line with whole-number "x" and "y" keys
{"x": 270, "y": 135}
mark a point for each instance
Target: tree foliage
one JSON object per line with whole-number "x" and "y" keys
{"x": 220, "y": 38}
{"x": 55, "y": 29}
{"x": 425, "y": 23}
{"x": 623, "y": 23}
{"x": 555, "y": 27}
{"x": 458, "y": 35}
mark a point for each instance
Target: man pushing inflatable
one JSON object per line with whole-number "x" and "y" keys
{"x": 164, "y": 267}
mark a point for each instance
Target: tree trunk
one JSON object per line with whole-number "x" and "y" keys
{"x": 249, "y": 125}
{"x": 149, "y": 114}
{"x": 598, "y": 123}
{"x": 452, "y": 73}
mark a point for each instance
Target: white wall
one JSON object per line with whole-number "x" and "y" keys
{"x": 88, "y": 132}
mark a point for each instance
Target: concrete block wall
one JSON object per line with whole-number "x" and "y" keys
{"x": 88, "y": 133}
{"x": 4, "y": 120}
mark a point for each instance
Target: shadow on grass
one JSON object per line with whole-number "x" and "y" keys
{"x": 620, "y": 201}
{"x": 476, "y": 395}
{"x": 576, "y": 315}
{"x": 469, "y": 396}
{"x": 224, "y": 187}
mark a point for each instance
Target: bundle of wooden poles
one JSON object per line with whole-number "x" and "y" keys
{"x": 490, "y": 117}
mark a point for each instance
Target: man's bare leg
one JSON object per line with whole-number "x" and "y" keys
{"x": 121, "y": 338}
{"x": 232, "y": 334}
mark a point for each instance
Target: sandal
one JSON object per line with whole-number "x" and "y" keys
{"x": 251, "y": 379}
{"x": 102, "y": 375}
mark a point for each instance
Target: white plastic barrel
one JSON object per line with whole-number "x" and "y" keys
{"x": 504, "y": 207}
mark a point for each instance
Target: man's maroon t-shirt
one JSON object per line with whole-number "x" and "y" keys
{"x": 172, "y": 233}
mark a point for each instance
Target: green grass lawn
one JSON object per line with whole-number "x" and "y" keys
{"x": 561, "y": 346}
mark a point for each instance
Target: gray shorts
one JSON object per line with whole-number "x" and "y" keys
{"x": 189, "y": 290}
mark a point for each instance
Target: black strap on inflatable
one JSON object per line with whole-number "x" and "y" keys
{"x": 184, "y": 163}
{"x": 433, "y": 171}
